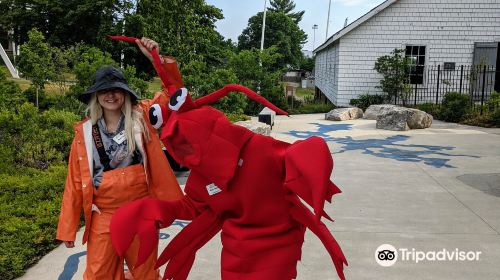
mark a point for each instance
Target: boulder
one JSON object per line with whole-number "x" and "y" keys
{"x": 374, "y": 111}
{"x": 257, "y": 127}
{"x": 344, "y": 114}
{"x": 401, "y": 118}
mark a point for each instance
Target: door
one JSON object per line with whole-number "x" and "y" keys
{"x": 484, "y": 82}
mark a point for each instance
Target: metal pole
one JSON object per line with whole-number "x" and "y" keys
{"x": 263, "y": 27}
{"x": 461, "y": 77}
{"x": 314, "y": 35}
{"x": 416, "y": 88}
{"x": 484, "y": 87}
{"x": 262, "y": 39}
{"x": 328, "y": 19}
{"x": 437, "y": 88}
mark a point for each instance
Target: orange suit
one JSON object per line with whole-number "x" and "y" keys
{"x": 154, "y": 178}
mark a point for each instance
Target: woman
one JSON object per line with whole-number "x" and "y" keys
{"x": 115, "y": 158}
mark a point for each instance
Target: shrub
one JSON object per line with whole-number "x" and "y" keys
{"x": 495, "y": 118}
{"x": 29, "y": 208}
{"x": 395, "y": 70}
{"x": 312, "y": 108}
{"x": 237, "y": 117}
{"x": 454, "y": 107}
{"x": 365, "y": 100}
{"x": 493, "y": 103}
{"x": 430, "y": 108}
{"x": 34, "y": 139}
{"x": 10, "y": 92}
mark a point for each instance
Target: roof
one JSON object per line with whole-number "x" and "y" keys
{"x": 355, "y": 24}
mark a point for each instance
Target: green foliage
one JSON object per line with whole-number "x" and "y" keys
{"x": 311, "y": 108}
{"x": 281, "y": 31}
{"x": 495, "y": 118}
{"x": 454, "y": 107}
{"x": 29, "y": 209}
{"x": 64, "y": 22}
{"x": 237, "y": 117}
{"x": 286, "y": 7}
{"x": 33, "y": 139}
{"x": 366, "y": 100}
{"x": 493, "y": 103}
{"x": 35, "y": 60}
{"x": 184, "y": 29}
{"x": 136, "y": 84}
{"x": 431, "y": 108}
{"x": 395, "y": 69}
{"x": 306, "y": 63}
{"x": 89, "y": 59}
{"x": 10, "y": 93}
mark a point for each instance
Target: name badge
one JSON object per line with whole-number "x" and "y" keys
{"x": 120, "y": 137}
{"x": 213, "y": 189}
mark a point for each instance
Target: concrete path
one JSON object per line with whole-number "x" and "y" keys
{"x": 419, "y": 191}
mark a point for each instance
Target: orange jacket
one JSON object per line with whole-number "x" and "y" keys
{"x": 78, "y": 190}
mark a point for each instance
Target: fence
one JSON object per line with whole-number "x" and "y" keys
{"x": 477, "y": 81}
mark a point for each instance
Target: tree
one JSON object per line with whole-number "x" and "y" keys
{"x": 286, "y": 7}
{"x": 63, "y": 22}
{"x": 184, "y": 29}
{"x": 35, "y": 60}
{"x": 395, "y": 69}
{"x": 281, "y": 31}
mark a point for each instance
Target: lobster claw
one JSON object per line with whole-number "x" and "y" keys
{"x": 142, "y": 218}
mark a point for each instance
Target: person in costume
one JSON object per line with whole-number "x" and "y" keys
{"x": 251, "y": 188}
{"x": 115, "y": 158}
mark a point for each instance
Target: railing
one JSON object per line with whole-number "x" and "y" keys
{"x": 478, "y": 82}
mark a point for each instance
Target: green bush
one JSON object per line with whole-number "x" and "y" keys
{"x": 34, "y": 139}
{"x": 430, "y": 108}
{"x": 366, "y": 100}
{"x": 237, "y": 117}
{"x": 454, "y": 107}
{"x": 493, "y": 103}
{"x": 29, "y": 210}
{"x": 495, "y": 118}
{"x": 10, "y": 92}
{"x": 312, "y": 108}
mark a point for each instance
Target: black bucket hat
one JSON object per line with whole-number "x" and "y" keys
{"x": 107, "y": 77}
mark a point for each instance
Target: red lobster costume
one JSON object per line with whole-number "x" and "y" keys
{"x": 247, "y": 185}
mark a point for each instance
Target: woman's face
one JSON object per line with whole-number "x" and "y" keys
{"x": 111, "y": 99}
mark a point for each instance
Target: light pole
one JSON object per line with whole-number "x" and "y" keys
{"x": 263, "y": 26}
{"x": 328, "y": 19}
{"x": 314, "y": 34}
{"x": 262, "y": 39}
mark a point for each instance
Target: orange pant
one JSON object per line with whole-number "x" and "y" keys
{"x": 118, "y": 187}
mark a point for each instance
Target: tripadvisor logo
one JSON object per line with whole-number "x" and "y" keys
{"x": 387, "y": 255}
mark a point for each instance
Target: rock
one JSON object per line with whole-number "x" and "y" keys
{"x": 257, "y": 127}
{"x": 375, "y": 110}
{"x": 343, "y": 114}
{"x": 419, "y": 120}
{"x": 401, "y": 119}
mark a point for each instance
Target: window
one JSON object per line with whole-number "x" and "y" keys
{"x": 417, "y": 55}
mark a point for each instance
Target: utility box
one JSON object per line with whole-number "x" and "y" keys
{"x": 267, "y": 116}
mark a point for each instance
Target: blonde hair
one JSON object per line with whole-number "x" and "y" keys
{"x": 133, "y": 121}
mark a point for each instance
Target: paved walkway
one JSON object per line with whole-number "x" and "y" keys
{"x": 422, "y": 190}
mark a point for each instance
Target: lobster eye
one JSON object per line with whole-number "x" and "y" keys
{"x": 178, "y": 99}
{"x": 155, "y": 116}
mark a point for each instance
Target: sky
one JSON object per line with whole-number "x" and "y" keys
{"x": 237, "y": 12}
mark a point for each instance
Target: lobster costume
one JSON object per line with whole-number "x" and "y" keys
{"x": 246, "y": 185}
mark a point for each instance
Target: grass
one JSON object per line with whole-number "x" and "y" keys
{"x": 50, "y": 88}
{"x": 301, "y": 92}
{"x": 155, "y": 85}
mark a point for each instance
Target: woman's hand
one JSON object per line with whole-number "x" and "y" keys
{"x": 69, "y": 244}
{"x": 146, "y": 45}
